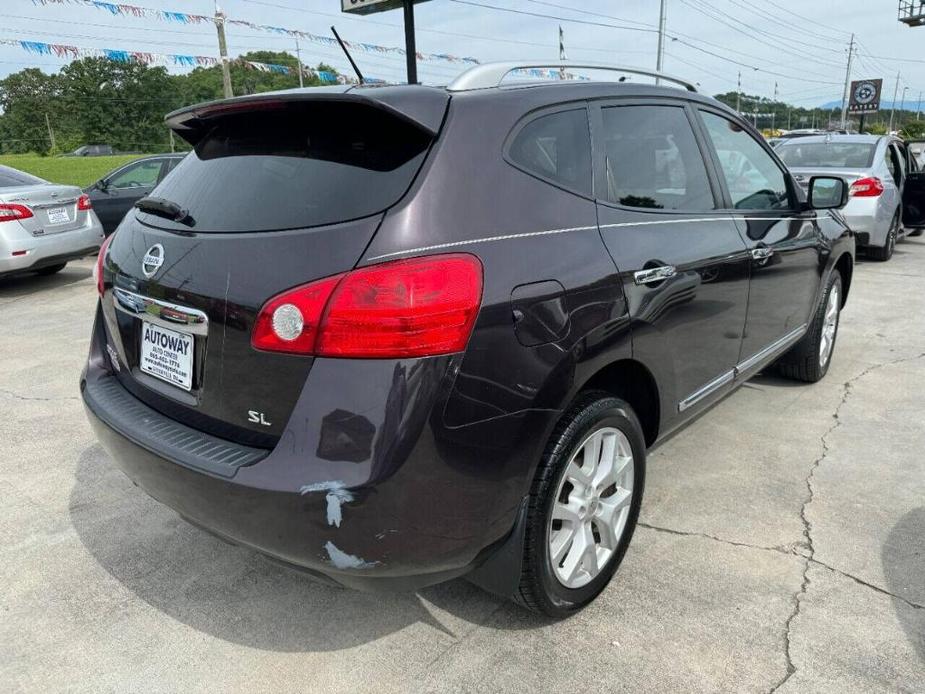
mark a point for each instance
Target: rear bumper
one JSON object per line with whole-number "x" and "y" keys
{"x": 43, "y": 251}
{"x": 867, "y": 219}
{"x": 426, "y": 505}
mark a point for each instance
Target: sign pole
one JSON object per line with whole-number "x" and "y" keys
{"x": 861, "y": 124}
{"x": 410, "y": 50}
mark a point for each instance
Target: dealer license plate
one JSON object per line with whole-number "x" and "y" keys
{"x": 167, "y": 355}
{"x": 58, "y": 215}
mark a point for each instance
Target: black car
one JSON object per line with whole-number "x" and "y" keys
{"x": 115, "y": 194}
{"x": 395, "y": 335}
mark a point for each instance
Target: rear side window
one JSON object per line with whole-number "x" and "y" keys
{"x": 754, "y": 180}
{"x": 296, "y": 166}
{"x": 143, "y": 174}
{"x": 556, "y": 147}
{"x": 652, "y": 160}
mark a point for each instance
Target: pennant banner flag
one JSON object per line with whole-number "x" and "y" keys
{"x": 121, "y": 9}
{"x": 170, "y": 59}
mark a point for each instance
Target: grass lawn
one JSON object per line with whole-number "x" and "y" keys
{"x": 78, "y": 171}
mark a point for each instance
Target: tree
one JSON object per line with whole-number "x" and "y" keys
{"x": 913, "y": 130}
{"x": 101, "y": 101}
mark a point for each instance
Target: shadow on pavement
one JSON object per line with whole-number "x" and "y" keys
{"x": 22, "y": 285}
{"x": 903, "y": 559}
{"x": 233, "y": 593}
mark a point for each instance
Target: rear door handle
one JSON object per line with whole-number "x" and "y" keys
{"x": 654, "y": 274}
{"x": 762, "y": 253}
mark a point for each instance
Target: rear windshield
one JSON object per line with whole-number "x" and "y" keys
{"x": 297, "y": 166}
{"x": 841, "y": 155}
{"x": 11, "y": 177}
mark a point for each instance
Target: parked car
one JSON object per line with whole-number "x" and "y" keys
{"x": 91, "y": 151}
{"x": 400, "y": 334}
{"x": 876, "y": 167}
{"x": 115, "y": 193}
{"x": 43, "y": 225}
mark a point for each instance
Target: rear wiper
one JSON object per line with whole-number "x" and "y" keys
{"x": 165, "y": 208}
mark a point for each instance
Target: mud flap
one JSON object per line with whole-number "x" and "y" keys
{"x": 500, "y": 573}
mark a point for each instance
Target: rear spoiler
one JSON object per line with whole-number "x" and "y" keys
{"x": 423, "y": 107}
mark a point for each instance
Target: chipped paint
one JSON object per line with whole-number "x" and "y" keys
{"x": 337, "y": 494}
{"x": 342, "y": 560}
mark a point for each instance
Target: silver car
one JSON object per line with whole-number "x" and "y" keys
{"x": 875, "y": 168}
{"x": 43, "y": 225}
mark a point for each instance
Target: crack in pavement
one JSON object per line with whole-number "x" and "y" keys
{"x": 17, "y": 396}
{"x": 805, "y": 549}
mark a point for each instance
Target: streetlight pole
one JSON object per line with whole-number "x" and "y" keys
{"x": 660, "y": 55}
{"x": 844, "y": 100}
{"x": 893, "y": 105}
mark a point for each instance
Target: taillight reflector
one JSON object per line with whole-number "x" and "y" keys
{"x": 83, "y": 202}
{"x": 866, "y": 188}
{"x": 404, "y": 308}
{"x": 98, "y": 268}
{"x": 10, "y": 211}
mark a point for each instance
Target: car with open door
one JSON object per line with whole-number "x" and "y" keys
{"x": 394, "y": 335}
{"x": 873, "y": 166}
{"x": 914, "y": 192}
{"x": 116, "y": 192}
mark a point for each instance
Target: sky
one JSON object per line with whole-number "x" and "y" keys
{"x": 799, "y": 48}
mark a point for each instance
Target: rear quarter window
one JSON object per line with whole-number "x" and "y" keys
{"x": 302, "y": 165}
{"x": 557, "y": 147}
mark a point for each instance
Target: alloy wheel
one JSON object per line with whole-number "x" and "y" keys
{"x": 591, "y": 507}
{"x": 829, "y": 327}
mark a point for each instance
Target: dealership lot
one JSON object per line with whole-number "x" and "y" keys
{"x": 781, "y": 544}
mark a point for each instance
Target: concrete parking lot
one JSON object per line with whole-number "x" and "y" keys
{"x": 782, "y": 547}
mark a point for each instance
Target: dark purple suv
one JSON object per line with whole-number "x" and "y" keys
{"x": 395, "y": 335}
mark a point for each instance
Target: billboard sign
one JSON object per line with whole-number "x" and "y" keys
{"x": 865, "y": 96}
{"x": 370, "y": 6}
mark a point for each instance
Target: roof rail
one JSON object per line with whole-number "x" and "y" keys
{"x": 489, "y": 75}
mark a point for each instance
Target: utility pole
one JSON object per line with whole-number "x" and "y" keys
{"x": 844, "y": 99}
{"x": 918, "y": 111}
{"x": 51, "y": 133}
{"x": 660, "y": 55}
{"x": 172, "y": 145}
{"x": 562, "y": 55}
{"x": 893, "y": 104}
{"x": 789, "y": 115}
{"x": 774, "y": 109}
{"x": 739, "y": 94}
{"x": 902, "y": 102}
{"x": 223, "y": 50}
{"x": 298, "y": 57}
{"x": 411, "y": 52}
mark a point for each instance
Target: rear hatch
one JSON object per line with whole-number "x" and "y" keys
{"x": 279, "y": 191}
{"x": 54, "y": 207}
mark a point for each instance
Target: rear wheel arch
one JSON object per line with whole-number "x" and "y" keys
{"x": 631, "y": 381}
{"x": 845, "y": 267}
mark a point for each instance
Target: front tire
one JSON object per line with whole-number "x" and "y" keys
{"x": 583, "y": 505}
{"x": 917, "y": 232}
{"x": 809, "y": 359}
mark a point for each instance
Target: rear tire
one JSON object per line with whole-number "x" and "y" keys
{"x": 582, "y": 511}
{"x": 885, "y": 252}
{"x": 51, "y": 269}
{"x": 809, "y": 359}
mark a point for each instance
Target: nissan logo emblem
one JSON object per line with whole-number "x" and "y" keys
{"x": 153, "y": 260}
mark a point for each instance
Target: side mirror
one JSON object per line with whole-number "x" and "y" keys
{"x": 827, "y": 193}
{"x": 102, "y": 184}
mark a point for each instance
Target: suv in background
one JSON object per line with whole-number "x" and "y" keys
{"x": 395, "y": 335}
{"x": 91, "y": 151}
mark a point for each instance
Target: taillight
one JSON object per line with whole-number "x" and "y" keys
{"x": 98, "y": 268}
{"x": 404, "y": 308}
{"x": 11, "y": 211}
{"x": 83, "y": 203}
{"x": 866, "y": 188}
